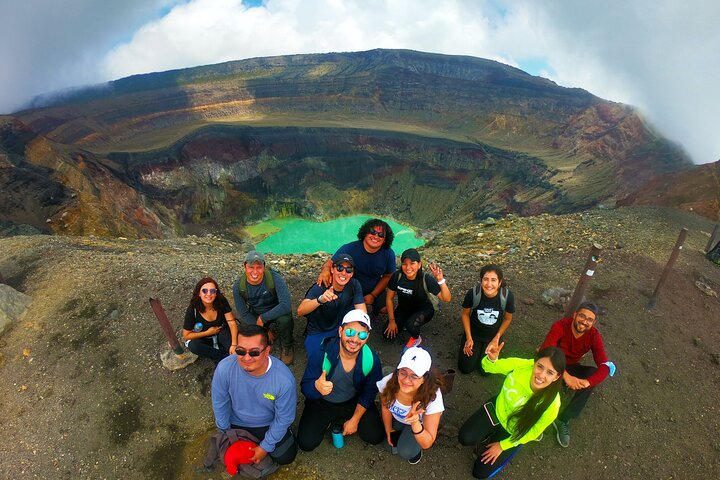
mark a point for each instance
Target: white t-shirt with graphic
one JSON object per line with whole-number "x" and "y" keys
{"x": 400, "y": 411}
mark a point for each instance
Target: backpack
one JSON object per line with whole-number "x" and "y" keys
{"x": 478, "y": 294}
{"x": 434, "y": 300}
{"x": 269, "y": 283}
{"x": 221, "y": 441}
{"x": 367, "y": 361}
{"x": 714, "y": 254}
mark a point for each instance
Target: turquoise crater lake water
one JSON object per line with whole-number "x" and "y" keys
{"x": 297, "y": 235}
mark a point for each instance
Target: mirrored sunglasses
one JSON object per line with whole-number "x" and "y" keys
{"x": 211, "y": 291}
{"x": 343, "y": 268}
{"x": 350, "y": 332}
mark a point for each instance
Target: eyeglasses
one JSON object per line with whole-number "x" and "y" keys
{"x": 241, "y": 352}
{"x": 584, "y": 318}
{"x": 411, "y": 376}
{"x": 350, "y": 332}
{"x": 377, "y": 233}
{"x": 211, "y": 291}
{"x": 343, "y": 268}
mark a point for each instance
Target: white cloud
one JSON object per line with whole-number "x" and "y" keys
{"x": 662, "y": 55}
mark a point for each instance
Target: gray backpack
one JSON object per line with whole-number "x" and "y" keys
{"x": 478, "y": 294}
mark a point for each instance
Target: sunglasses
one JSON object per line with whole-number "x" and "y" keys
{"x": 411, "y": 376}
{"x": 211, "y": 291}
{"x": 350, "y": 332}
{"x": 343, "y": 268}
{"x": 241, "y": 352}
{"x": 378, "y": 233}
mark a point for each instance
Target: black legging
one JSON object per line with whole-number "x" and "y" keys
{"x": 319, "y": 414}
{"x": 478, "y": 430}
{"x": 203, "y": 347}
{"x": 473, "y": 362}
{"x": 412, "y": 321}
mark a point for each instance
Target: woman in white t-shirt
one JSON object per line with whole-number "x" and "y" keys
{"x": 411, "y": 405}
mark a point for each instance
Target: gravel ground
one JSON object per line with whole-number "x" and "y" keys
{"x": 85, "y": 395}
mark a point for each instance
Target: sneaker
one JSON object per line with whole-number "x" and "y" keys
{"x": 563, "y": 432}
{"x": 288, "y": 355}
{"x": 416, "y": 459}
{"x": 413, "y": 342}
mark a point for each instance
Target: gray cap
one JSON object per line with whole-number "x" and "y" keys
{"x": 254, "y": 256}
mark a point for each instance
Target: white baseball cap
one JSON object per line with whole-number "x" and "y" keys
{"x": 416, "y": 359}
{"x": 357, "y": 315}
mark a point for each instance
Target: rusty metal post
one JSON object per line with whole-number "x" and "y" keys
{"x": 668, "y": 267}
{"x": 711, "y": 242}
{"x": 587, "y": 273}
{"x": 166, "y": 326}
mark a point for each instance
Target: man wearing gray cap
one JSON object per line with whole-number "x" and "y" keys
{"x": 326, "y": 307}
{"x": 262, "y": 297}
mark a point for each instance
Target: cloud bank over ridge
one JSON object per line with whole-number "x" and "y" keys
{"x": 662, "y": 56}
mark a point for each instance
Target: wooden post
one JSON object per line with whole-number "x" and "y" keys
{"x": 668, "y": 267}
{"x": 166, "y": 326}
{"x": 711, "y": 242}
{"x": 587, "y": 273}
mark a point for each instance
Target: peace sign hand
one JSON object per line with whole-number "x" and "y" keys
{"x": 413, "y": 416}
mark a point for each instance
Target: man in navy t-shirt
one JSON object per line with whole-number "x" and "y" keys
{"x": 374, "y": 262}
{"x": 326, "y": 307}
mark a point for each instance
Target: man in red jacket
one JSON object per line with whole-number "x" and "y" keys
{"x": 576, "y": 336}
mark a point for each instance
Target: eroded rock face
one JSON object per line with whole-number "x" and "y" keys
{"x": 429, "y": 139}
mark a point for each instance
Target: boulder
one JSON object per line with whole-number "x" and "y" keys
{"x": 13, "y": 305}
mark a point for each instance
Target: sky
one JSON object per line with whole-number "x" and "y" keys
{"x": 661, "y": 56}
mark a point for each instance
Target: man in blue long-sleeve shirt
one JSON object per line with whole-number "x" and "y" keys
{"x": 255, "y": 391}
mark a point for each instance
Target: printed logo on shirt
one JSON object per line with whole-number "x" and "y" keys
{"x": 398, "y": 411}
{"x": 406, "y": 291}
{"x": 269, "y": 396}
{"x": 488, "y": 316}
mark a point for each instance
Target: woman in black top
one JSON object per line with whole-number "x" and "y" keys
{"x": 487, "y": 311}
{"x": 209, "y": 329}
{"x": 413, "y": 288}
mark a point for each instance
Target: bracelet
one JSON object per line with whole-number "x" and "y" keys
{"x": 441, "y": 281}
{"x": 318, "y": 300}
{"x": 422, "y": 430}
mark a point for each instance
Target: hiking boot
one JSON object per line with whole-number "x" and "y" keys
{"x": 413, "y": 342}
{"x": 416, "y": 459}
{"x": 563, "y": 432}
{"x": 288, "y": 355}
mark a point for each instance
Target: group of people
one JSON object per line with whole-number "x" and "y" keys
{"x": 255, "y": 392}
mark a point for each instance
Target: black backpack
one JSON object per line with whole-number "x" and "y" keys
{"x": 714, "y": 254}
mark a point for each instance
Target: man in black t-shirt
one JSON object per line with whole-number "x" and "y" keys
{"x": 326, "y": 307}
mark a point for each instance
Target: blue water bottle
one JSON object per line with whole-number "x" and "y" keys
{"x": 337, "y": 436}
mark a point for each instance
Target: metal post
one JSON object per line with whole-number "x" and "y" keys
{"x": 711, "y": 242}
{"x": 666, "y": 272}
{"x": 166, "y": 326}
{"x": 588, "y": 272}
